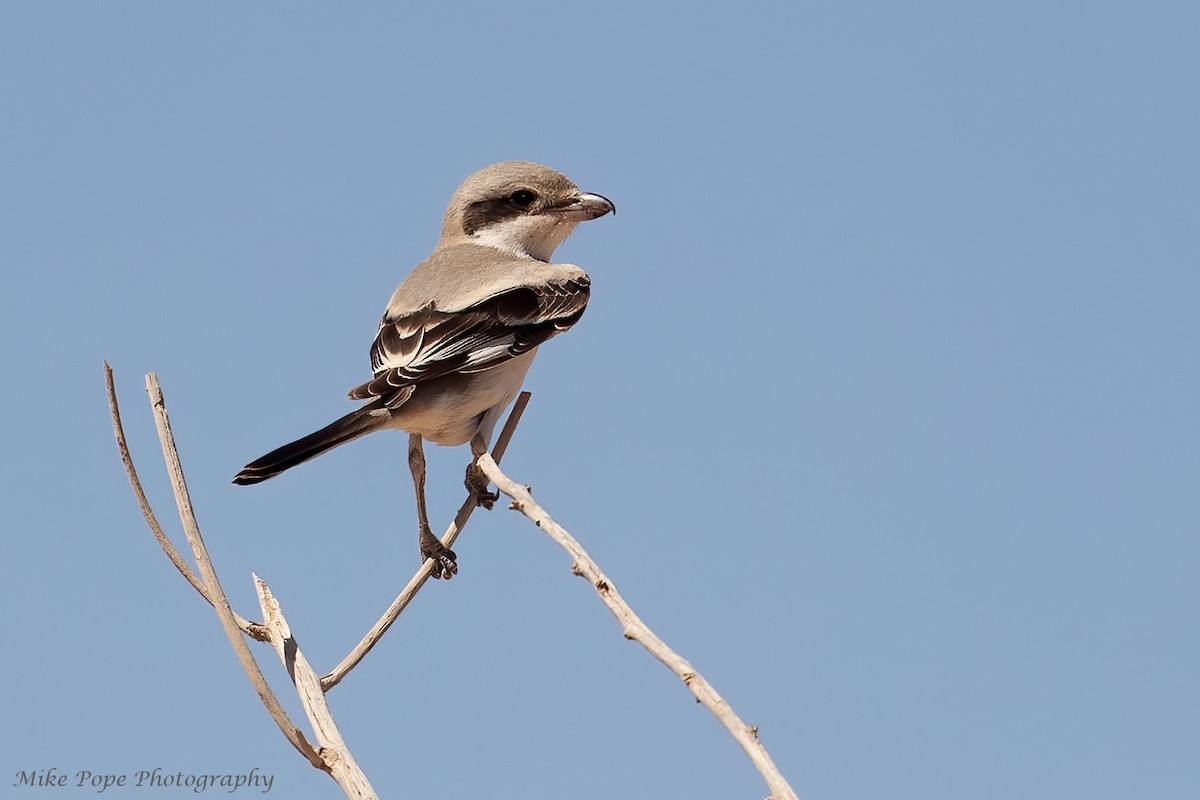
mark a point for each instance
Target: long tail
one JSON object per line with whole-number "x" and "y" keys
{"x": 348, "y": 428}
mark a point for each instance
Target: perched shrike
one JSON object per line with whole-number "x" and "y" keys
{"x": 460, "y": 332}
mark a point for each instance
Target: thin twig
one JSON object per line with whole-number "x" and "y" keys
{"x": 252, "y": 629}
{"x": 208, "y": 573}
{"x": 342, "y": 766}
{"x": 418, "y": 580}
{"x": 637, "y": 630}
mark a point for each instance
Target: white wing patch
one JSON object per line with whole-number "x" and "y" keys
{"x": 426, "y": 344}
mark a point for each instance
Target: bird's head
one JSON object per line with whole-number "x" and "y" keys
{"x": 520, "y": 207}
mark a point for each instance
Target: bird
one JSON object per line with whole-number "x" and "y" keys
{"x": 461, "y": 330}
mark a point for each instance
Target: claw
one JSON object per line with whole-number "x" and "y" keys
{"x": 477, "y": 484}
{"x": 445, "y": 563}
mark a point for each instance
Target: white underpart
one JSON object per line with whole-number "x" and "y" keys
{"x": 535, "y": 236}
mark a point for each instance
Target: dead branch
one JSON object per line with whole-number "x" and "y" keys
{"x": 208, "y": 572}
{"x": 334, "y": 753}
{"x": 418, "y": 580}
{"x": 252, "y": 629}
{"x": 333, "y": 756}
{"x": 635, "y": 629}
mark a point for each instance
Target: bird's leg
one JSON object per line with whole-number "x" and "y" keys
{"x": 477, "y": 482}
{"x": 444, "y": 562}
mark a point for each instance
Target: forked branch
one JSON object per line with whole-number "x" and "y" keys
{"x": 252, "y": 629}
{"x": 333, "y": 756}
{"x": 418, "y": 580}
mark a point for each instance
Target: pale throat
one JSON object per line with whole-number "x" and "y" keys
{"x": 535, "y": 237}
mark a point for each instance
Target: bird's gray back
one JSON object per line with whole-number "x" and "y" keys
{"x": 458, "y": 276}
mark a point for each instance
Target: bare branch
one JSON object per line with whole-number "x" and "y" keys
{"x": 216, "y": 595}
{"x": 341, "y": 764}
{"x": 418, "y": 580}
{"x": 252, "y": 629}
{"x": 333, "y": 756}
{"x": 637, "y": 630}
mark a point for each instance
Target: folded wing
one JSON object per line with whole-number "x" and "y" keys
{"x": 427, "y": 343}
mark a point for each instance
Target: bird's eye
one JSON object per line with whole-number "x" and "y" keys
{"x": 522, "y": 198}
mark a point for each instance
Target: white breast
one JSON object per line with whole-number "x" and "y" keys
{"x": 452, "y": 409}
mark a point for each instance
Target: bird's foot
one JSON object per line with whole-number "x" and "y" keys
{"x": 445, "y": 563}
{"x": 477, "y": 485}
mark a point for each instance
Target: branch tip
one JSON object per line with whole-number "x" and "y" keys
{"x": 634, "y": 629}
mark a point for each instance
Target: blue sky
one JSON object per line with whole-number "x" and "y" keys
{"x": 884, "y": 411}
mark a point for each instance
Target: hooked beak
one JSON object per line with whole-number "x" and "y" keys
{"x": 589, "y": 206}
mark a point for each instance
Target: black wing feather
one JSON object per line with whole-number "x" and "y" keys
{"x": 427, "y": 344}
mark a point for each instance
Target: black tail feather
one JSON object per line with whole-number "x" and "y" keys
{"x": 346, "y": 429}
